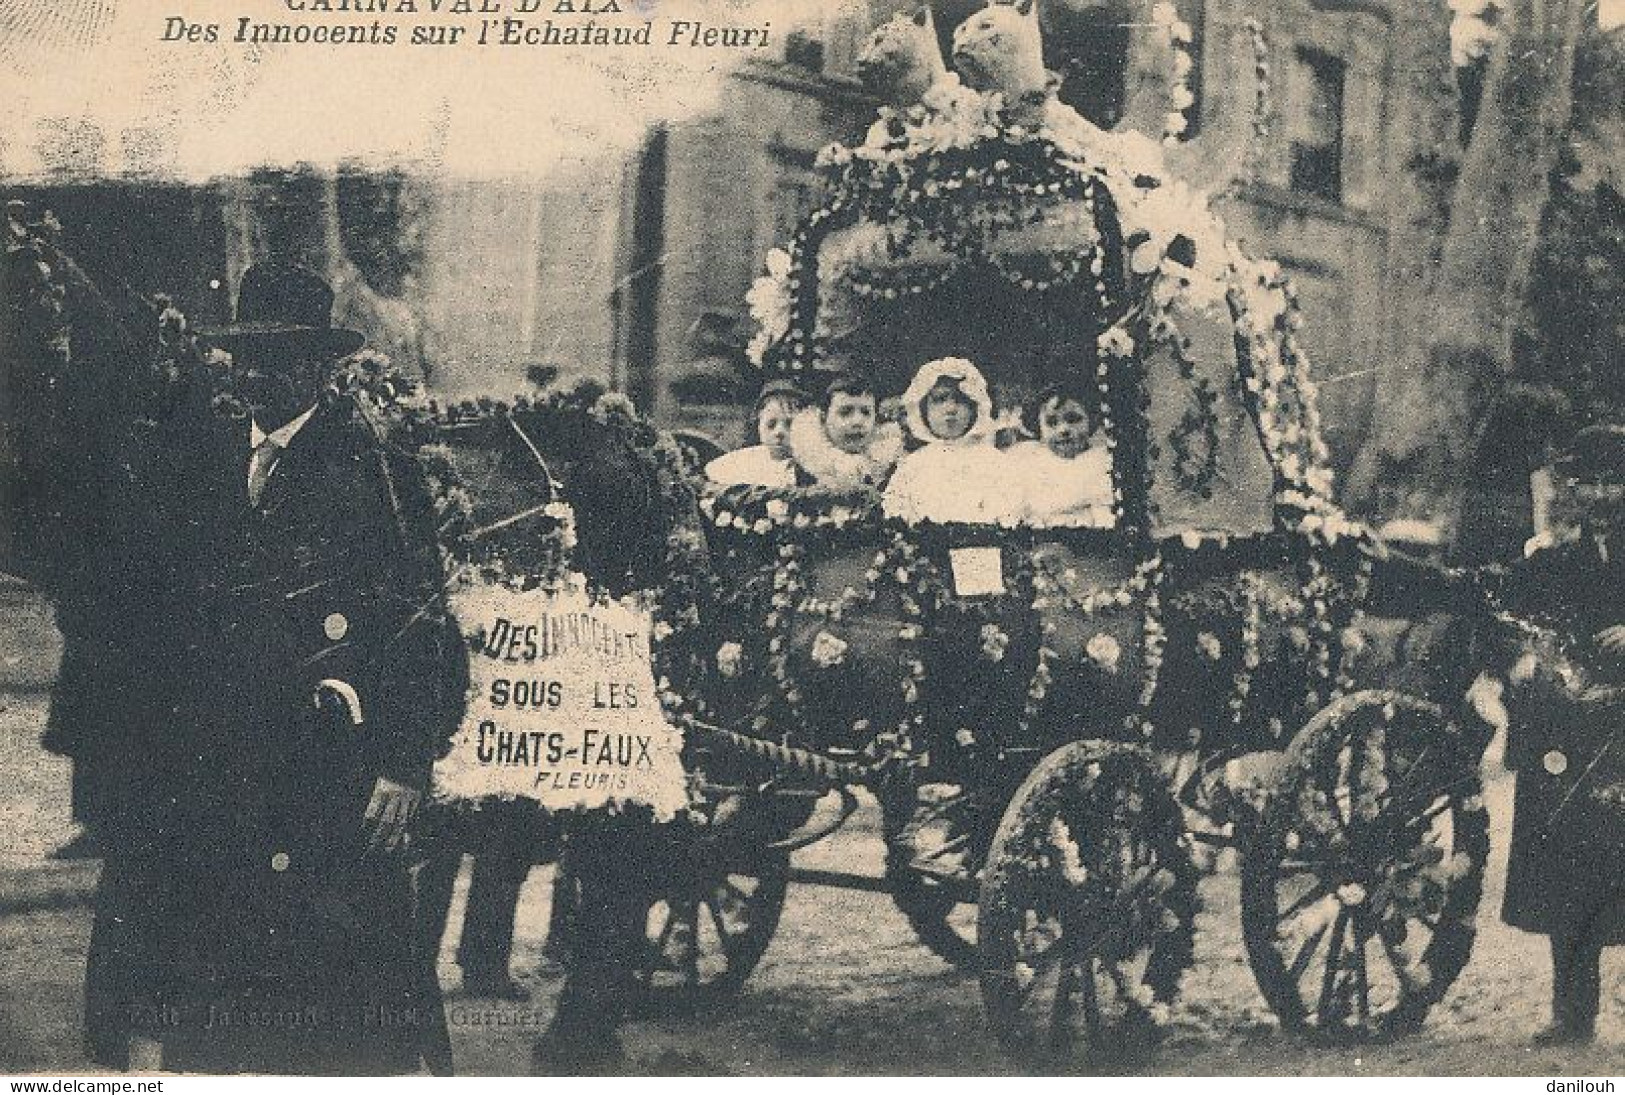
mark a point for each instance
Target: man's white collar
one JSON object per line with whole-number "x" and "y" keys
{"x": 280, "y": 437}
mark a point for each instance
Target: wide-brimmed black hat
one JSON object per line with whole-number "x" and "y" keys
{"x": 285, "y": 305}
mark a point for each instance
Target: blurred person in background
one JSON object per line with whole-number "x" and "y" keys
{"x": 1566, "y": 870}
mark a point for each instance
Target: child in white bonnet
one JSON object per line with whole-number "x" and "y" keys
{"x": 957, "y": 475}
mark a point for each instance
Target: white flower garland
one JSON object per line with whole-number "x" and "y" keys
{"x": 769, "y": 301}
{"x": 1178, "y": 35}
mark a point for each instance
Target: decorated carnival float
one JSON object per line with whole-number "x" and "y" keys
{"x": 1051, "y": 716}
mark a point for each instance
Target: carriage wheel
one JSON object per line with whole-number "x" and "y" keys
{"x": 1361, "y": 887}
{"x": 934, "y": 841}
{"x": 1088, "y": 906}
{"x": 710, "y": 918}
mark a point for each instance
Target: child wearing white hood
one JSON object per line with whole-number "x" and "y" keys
{"x": 958, "y": 474}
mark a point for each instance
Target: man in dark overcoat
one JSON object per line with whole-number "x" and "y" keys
{"x": 1566, "y": 872}
{"x": 256, "y": 905}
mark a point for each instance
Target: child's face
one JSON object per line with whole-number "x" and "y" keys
{"x": 1063, "y": 424}
{"x": 773, "y": 426}
{"x": 849, "y": 422}
{"x": 948, "y": 414}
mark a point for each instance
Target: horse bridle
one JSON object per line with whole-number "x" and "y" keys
{"x": 555, "y": 489}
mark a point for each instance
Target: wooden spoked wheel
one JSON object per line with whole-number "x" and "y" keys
{"x": 711, "y": 912}
{"x": 1087, "y": 907}
{"x": 935, "y": 840}
{"x": 1360, "y": 888}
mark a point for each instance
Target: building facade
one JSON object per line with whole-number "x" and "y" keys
{"x": 631, "y": 268}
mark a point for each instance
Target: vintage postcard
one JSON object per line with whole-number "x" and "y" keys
{"x": 812, "y": 537}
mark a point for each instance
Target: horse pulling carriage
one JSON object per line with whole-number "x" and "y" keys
{"x": 1050, "y": 718}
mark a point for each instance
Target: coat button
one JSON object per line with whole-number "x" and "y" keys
{"x": 1556, "y": 763}
{"x": 335, "y": 627}
{"x": 279, "y": 862}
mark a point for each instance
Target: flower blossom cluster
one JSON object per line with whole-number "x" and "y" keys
{"x": 769, "y": 301}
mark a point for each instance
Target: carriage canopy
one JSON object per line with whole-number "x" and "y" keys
{"x": 1061, "y": 250}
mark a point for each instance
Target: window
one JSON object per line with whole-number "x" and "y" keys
{"x": 839, "y": 36}
{"x": 1089, "y": 48}
{"x": 1317, "y": 126}
{"x": 793, "y": 199}
{"x": 1090, "y": 45}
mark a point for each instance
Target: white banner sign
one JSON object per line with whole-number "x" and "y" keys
{"x": 562, "y": 707}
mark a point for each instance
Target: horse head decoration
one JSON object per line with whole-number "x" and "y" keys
{"x": 631, "y": 505}
{"x": 633, "y": 502}
{"x": 85, "y": 363}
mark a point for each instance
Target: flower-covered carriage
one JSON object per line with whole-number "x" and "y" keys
{"x": 1052, "y": 717}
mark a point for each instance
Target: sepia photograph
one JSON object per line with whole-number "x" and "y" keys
{"x": 711, "y": 538}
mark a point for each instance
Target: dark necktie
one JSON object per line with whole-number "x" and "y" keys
{"x": 261, "y": 462}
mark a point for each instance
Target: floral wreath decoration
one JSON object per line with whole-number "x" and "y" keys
{"x": 479, "y": 548}
{"x": 777, "y": 531}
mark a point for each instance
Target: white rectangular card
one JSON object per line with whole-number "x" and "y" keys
{"x": 978, "y": 571}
